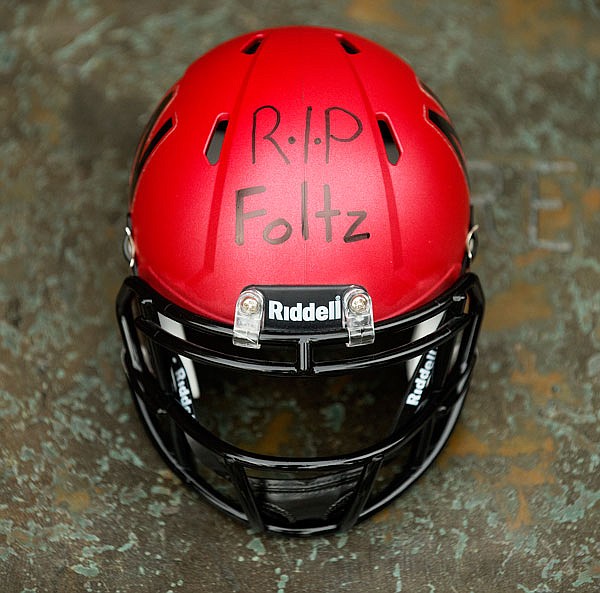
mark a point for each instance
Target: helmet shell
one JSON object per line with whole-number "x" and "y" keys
{"x": 301, "y": 189}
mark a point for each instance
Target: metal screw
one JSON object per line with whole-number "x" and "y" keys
{"x": 250, "y": 305}
{"x": 359, "y": 304}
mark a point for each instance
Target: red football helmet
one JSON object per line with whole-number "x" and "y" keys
{"x": 300, "y": 234}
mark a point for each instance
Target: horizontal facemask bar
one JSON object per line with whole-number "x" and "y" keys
{"x": 304, "y": 354}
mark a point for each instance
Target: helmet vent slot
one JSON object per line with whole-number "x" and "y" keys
{"x": 391, "y": 145}
{"x": 348, "y": 47}
{"x": 160, "y": 134}
{"x": 252, "y": 47}
{"x": 430, "y": 92}
{"x": 215, "y": 143}
{"x": 446, "y": 128}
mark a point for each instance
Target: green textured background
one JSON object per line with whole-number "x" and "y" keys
{"x": 513, "y": 503}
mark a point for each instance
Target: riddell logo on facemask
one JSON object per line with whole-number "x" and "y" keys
{"x": 309, "y": 312}
{"x": 422, "y": 378}
{"x": 182, "y": 385}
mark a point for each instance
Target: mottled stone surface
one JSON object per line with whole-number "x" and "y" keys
{"x": 86, "y": 504}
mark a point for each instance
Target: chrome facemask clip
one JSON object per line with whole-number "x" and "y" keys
{"x": 249, "y": 318}
{"x": 357, "y": 317}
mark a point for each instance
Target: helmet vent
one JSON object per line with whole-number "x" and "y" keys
{"x": 252, "y": 47}
{"x": 348, "y": 47}
{"x": 391, "y": 145}
{"x": 160, "y": 134}
{"x": 142, "y": 155}
{"x": 446, "y": 128}
{"x": 430, "y": 92}
{"x": 215, "y": 143}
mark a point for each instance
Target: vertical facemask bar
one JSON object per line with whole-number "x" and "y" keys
{"x": 176, "y": 329}
{"x": 423, "y": 444}
{"x": 128, "y": 309}
{"x": 447, "y": 353}
{"x": 362, "y": 493}
{"x": 240, "y": 480}
{"x": 158, "y": 355}
{"x": 126, "y": 301}
{"x": 470, "y": 334}
{"x": 421, "y": 330}
{"x": 413, "y": 395}
{"x": 132, "y": 346}
{"x": 161, "y": 359}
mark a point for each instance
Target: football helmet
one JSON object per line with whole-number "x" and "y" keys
{"x": 300, "y": 321}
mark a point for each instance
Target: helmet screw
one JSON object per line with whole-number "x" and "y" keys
{"x": 249, "y": 305}
{"x": 359, "y": 304}
{"x": 129, "y": 247}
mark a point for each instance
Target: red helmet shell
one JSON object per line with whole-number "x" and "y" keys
{"x": 302, "y": 190}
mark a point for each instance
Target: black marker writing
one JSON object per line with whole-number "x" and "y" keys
{"x": 269, "y": 135}
{"x": 267, "y": 119}
{"x": 279, "y": 230}
{"x": 329, "y": 136}
{"x": 350, "y": 237}
{"x": 327, "y": 212}
{"x": 241, "y": 215}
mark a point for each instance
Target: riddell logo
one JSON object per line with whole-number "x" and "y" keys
{"x": 309, "y": 312}
{"x": 422, "y": 378}
{"x": 182, "y": 385}
{"x": 183, "y": 388}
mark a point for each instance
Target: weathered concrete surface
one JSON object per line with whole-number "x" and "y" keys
{"x": 87, "y": 505}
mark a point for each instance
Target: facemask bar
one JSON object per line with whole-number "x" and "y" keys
{"x": 461, "y": 308}
{"x": 217, "y": 348}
